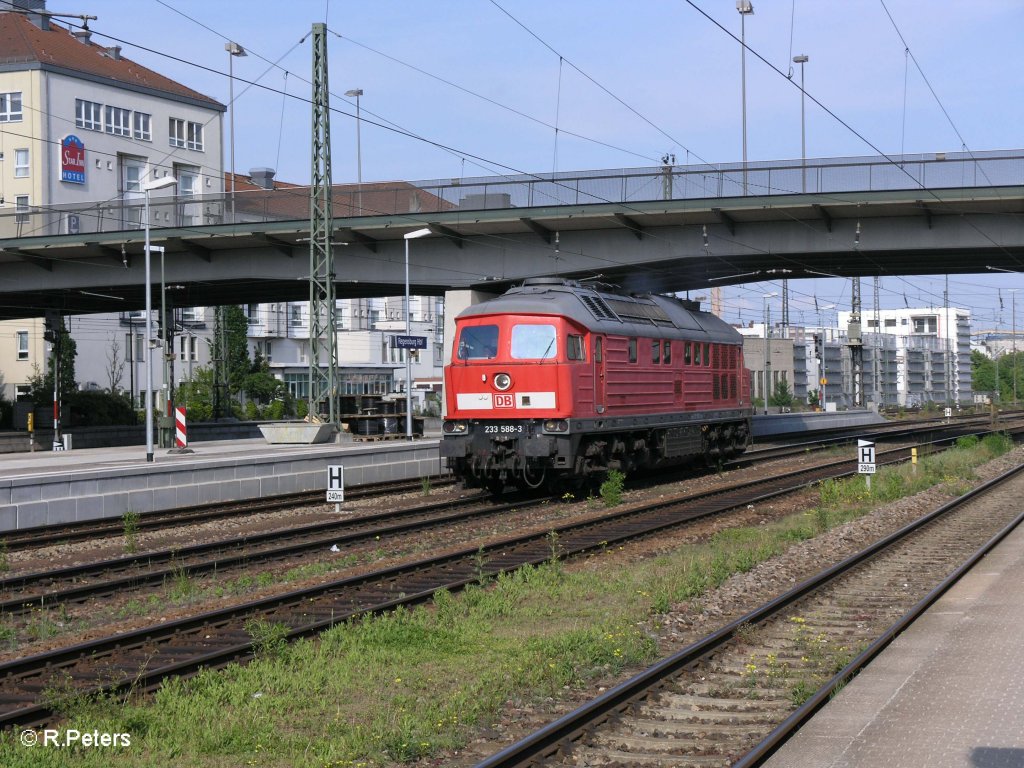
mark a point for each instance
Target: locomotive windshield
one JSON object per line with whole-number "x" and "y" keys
{"x": 533, "y": 342}
{"x": 478, "y": 342}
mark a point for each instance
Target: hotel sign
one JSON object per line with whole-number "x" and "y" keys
{"x": 72, "y": 160}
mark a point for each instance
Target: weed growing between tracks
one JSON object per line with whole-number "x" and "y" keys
{"x": 419, "y": 682}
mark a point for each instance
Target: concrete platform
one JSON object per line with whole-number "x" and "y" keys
{"x": 787, "y": 423}
{"x": 948, "y": 693}
{"x": 47, "y": 488}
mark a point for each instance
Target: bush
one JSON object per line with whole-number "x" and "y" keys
{"x": 275, "y": 410}
{"x": 97, "y": 409}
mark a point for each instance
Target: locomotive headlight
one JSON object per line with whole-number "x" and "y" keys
{"x": 502, "y": 381}
{"x": 556, "y": 425}
{"x": 454, "y": 427}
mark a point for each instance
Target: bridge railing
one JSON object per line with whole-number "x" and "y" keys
{"x": 828, "y": 176}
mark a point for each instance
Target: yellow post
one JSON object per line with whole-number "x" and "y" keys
{"x": 913, "y": 459}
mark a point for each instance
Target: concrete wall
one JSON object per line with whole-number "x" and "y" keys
{"x": 89, "y": 494}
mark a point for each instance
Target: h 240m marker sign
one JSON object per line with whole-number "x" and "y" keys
{"x": 335, "y": 482}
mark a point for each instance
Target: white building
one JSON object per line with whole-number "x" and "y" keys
{"x": 368, "y": 363}
{"x": 932, "y": 352}
{"x": 81, "y": 129}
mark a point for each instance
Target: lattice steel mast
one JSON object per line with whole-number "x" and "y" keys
{"x": 322, "y": 331}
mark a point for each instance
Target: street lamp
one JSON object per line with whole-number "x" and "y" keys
{"x": 745, "y": 8}
{"x": 408, "y": 331}
{"x": 147, "y": 187}
{"x": 356, "y": 92}
{"x": 233, "y": 49}
{"x": 766, "y": 381}
{"x": 802, "y": 59}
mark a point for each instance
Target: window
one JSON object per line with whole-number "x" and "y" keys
{"x": 707, "y": 354}
{"x": 142, "y": 127}
{"x": 132, "y": 173}
{"x": 666, "y": 354}
{"x": 598, "y": 350}
{"x": 574, "y": 349}
{"x": 632, "y": 350}
{"x": 188, "y": 180}
{"x": 696, "y": 354}
{"x": 119, "y": 121}
{"x": 88, "y": 115}
{"x": 925, "y": 324}
{"x": 195, "y": 136}
{"x": 20, "y": 163}
{"x": 176, "y": 132}
{"x": 188, "y": 348}
{"x": 10, "y": 107}
{"x": 533, "y": 342}
{"x": 23, "y": 345}
{"x": 890, "y": 322}
{"x": 655, "y": 352}
{"x": 294, "y": 314}
{"x": 21, "y": 209}
{"x": 478, "y": 342}
{"x": 687, "y": 354}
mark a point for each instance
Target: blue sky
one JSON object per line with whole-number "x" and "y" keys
{"x": 678, "y": 73}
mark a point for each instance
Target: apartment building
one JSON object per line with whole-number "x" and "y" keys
{"x": 82, "y": 128}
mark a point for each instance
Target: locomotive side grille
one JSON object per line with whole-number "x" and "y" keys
{"x": 641, "y": 312}
{"x": 598, "y": 307}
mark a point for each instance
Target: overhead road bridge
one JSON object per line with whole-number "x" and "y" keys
{"x": 668, "y": 228}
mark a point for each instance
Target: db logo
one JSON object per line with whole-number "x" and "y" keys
{"x": 504, "y": 401}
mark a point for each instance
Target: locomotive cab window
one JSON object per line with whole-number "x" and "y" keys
{"x": 666, "y": 354}
{"x": 707, "y": 354}
{"x": 574, "y": 349}
{"x": 478, "y": 342}
{"x": 632, "y": 350}
{"x": 533, "y": 342}
{"x": 598, "y": 350}
{"x": 655, "y": 352}
{"x": 687, "y": 355}
{"x": 696, "y": 354}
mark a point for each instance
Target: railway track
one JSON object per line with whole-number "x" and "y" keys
{"x": 821, "y": 439}
{"x": 25, "y": 593}
{"x": 734, "y": 697}
{"x": 141, "y": 659}
{"x": 50, "y": 535}
{"x": 78, "y": 583}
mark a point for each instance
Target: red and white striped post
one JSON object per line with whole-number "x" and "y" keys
{"x": 180, "y": 428}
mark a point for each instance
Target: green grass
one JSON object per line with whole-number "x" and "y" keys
{"x": 417, "y": 682}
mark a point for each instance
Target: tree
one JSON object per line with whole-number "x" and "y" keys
{"x": 41, "y": 385}
{"x": 197, "y": 395}
{"x": 229, "y": 350}
{"x": 782, "y": 396}
{"x": 260, "y": 384}
{"x": 115, "y": 365}
{"x": 983, "y": 375}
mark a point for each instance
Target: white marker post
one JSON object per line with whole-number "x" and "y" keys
{"x": 866, "y": 460}
{"x": 336, "y": 485}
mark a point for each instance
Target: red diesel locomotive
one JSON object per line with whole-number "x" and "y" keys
{"x": 555, "y": 383}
